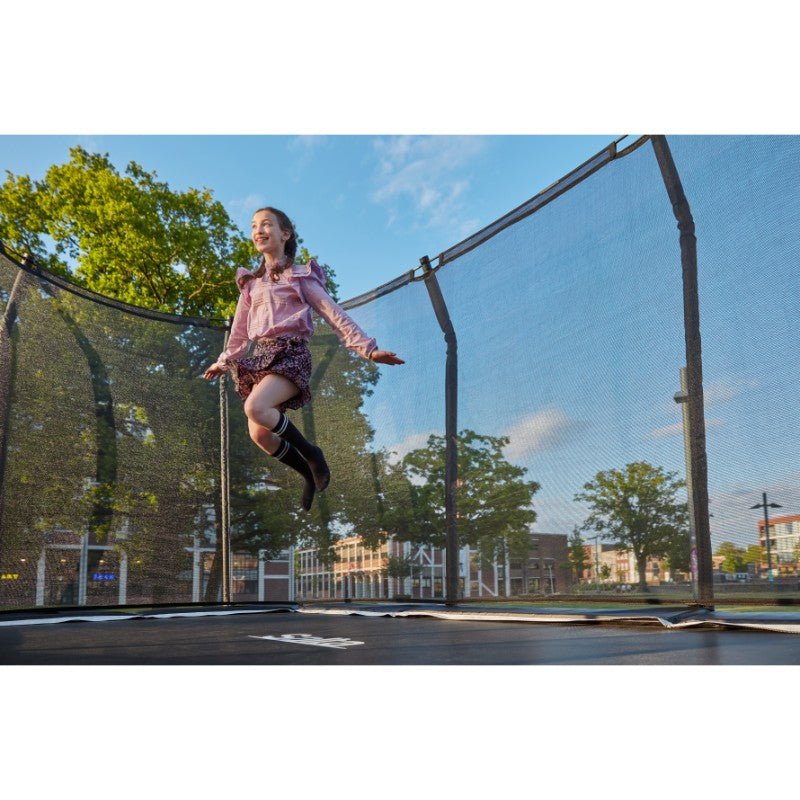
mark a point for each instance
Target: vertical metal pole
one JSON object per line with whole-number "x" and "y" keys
{"x": 122, "y": 598}
{"x": 83, "y": 570}
{"x": 451, "y": 431}
{"x": 225, "y": 482}
{"x": 40, "y": 577}
{"x": 260, "y": 594}
{"x": 694, "y": 369}
{"x": 766, "y": 533}
{"x": 683, "y": 398}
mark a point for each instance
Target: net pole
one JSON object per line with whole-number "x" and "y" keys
{"x": 694, "y": 370}
{"x": 225, "y": 526}
{"x": 682, "y": 398}
{"x": 6, "y": 372}
{"x": 451, "y": 433}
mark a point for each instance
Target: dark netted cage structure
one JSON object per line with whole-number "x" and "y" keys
{"x": 638, "y": 317}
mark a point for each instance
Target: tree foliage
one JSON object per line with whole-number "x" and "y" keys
{"x": 129, "y": 235}
{"x": 637, "y": 508}
{"x": 736, "y": 559}
{"x": 576, "y": 555}
{"x": 495, "y": 502}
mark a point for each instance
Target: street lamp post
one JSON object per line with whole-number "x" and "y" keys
{"x": 765, "y": 505}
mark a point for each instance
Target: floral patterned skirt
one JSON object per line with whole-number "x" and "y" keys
{"x": 284, "y": 356}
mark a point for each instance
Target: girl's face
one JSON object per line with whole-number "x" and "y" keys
{"x": 267, "y": 235}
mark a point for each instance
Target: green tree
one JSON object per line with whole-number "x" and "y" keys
{"x": 130, "y": 236}
{"x": 400, "y": 567}
{"x": 576, "y": 555}
{"x": 678, "y": 554}
{"x": 495, "y": 503}
{"x": 638, "y": 509}
{"x": 127, "y": 236}
{"x": 734, "y": 560}
{"x": 755, "y": 554}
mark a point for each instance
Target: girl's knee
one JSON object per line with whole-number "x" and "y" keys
{"x": 260, "y": 435}
{"x": 248, "y": 408}
{"x": 261, "y": 414}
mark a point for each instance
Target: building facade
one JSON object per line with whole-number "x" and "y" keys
{"x": 401, "y": 570}
{"x": 784, "y": 543}
{"x": 610, "y": 565}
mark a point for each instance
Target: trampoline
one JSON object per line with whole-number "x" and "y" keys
{"x": 399, "y": 634}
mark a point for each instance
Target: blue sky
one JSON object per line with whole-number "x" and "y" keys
{"x": 369, "y": 206}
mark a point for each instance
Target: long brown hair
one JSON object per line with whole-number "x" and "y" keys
{"x": 289, "y": 249}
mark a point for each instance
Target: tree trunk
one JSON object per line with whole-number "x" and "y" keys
{"x": 641, "y": 566}
{"x": 105, "y": 439}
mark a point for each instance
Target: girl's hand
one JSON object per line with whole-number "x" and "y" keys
{"x": 212, "y": 372}
{"x": 385, "y": 357}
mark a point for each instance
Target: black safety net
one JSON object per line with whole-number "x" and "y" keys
{"x": 110, "y": 447}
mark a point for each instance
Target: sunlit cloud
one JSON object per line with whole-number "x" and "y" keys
{"x": 542, "y": 430}
{"x": 722, "y": 391}
{"x": 302, "y": 150}
{"x": 413, "y": 441}
{"x": 241, "y": 209}
{"x": 676, "y": 429}
{"x": 423, "y": 178}
{"x": 715, "y": 393}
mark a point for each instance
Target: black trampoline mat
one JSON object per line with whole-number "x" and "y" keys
{"x": 318, "y": 636}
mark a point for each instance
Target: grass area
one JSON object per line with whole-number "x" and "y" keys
{"x": 637, "y": 604}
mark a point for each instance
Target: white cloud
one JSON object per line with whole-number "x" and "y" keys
{"x": 305, "y": 143}
{"x": 303, "y": 149}
{"x": 721, "y": 391}
{"x": 426, "y": 174}
{"x": 241, "y": 209}
{"x": 715, "y": 393}
{"x": 412, "y": 442}
{"x": 539, "y": 431}
{"x": 676, "y": 429}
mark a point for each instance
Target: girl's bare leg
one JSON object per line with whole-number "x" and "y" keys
{"x": 264, "y": 417}
{"x": 262, "y": 410}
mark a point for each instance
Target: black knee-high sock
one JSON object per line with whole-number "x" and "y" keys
{"x": 288, "y": 455}
{"x": 310, "y": 452}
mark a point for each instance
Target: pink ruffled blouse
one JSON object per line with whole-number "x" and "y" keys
{"x": 268, "y": 308}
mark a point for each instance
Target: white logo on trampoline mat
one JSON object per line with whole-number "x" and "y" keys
{"x": 336, "y": 642}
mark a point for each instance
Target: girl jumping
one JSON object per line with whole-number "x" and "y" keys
{"x": 274, "y": 311}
